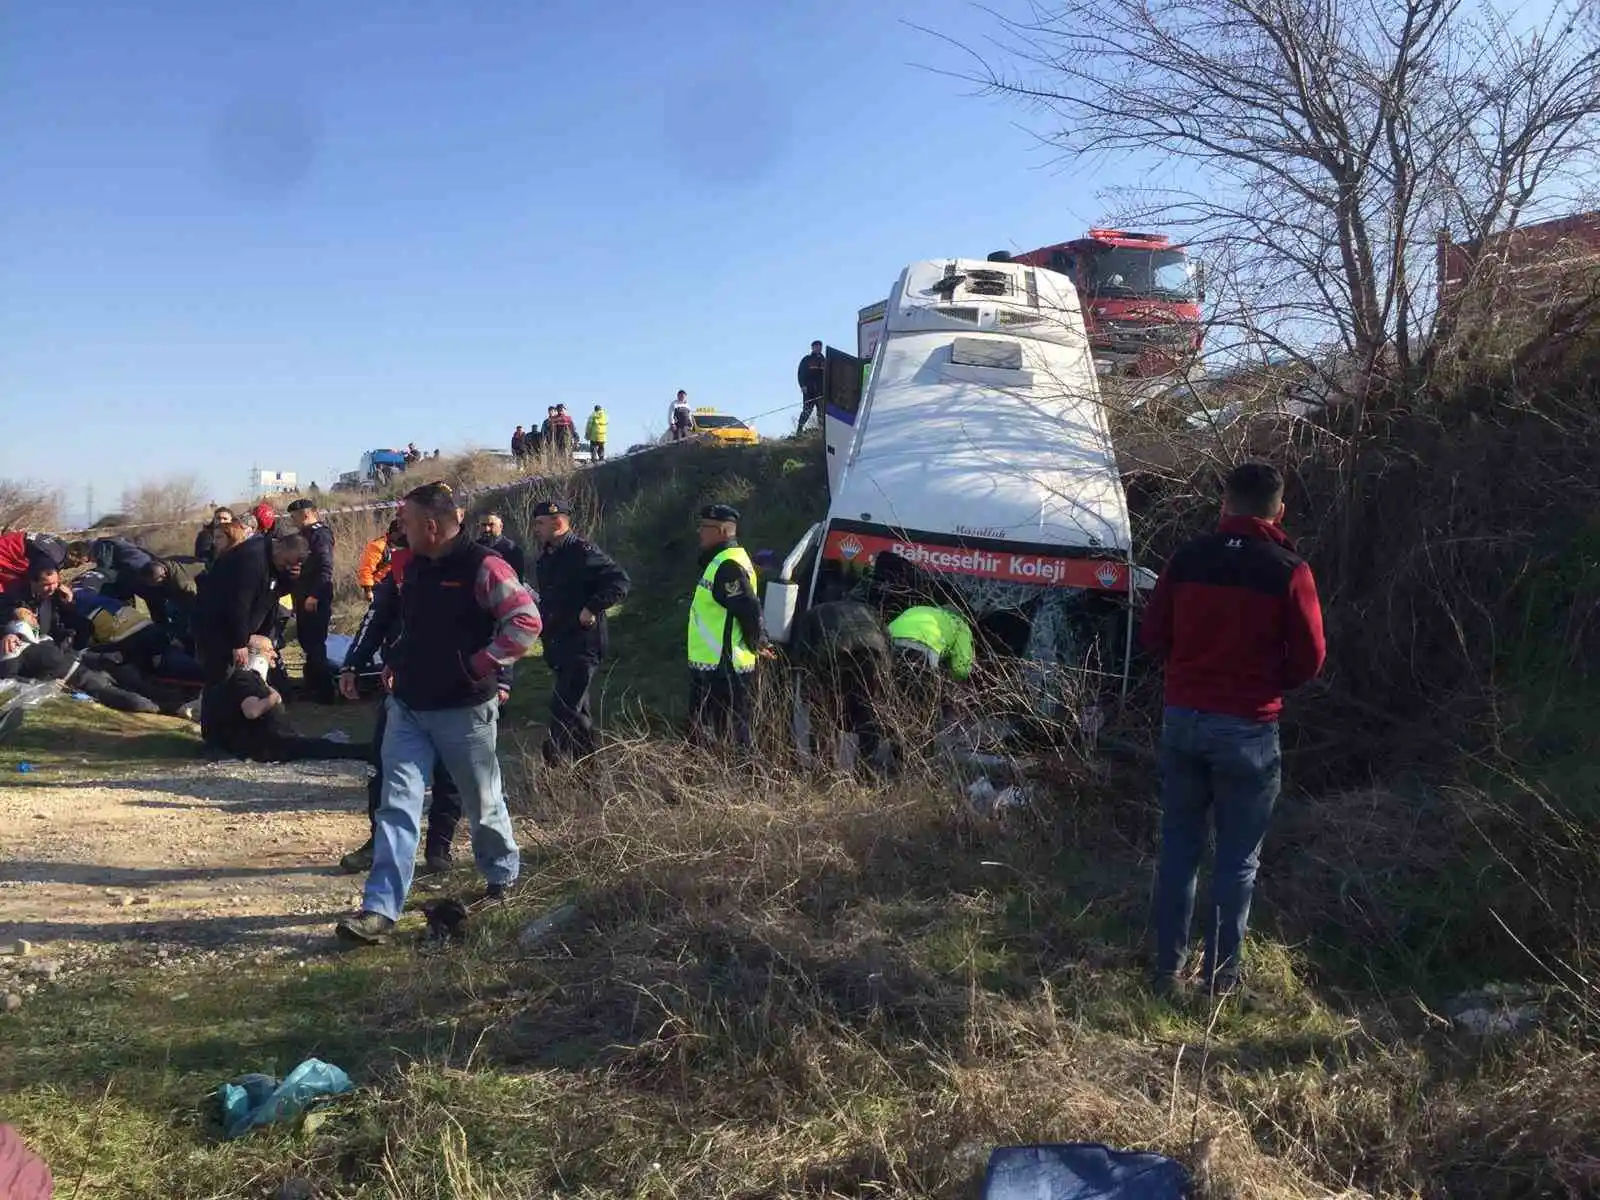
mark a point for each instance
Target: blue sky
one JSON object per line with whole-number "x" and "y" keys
{"x": 282, "y": 234}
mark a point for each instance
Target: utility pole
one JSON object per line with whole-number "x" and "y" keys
{"x": 88, "y": 505}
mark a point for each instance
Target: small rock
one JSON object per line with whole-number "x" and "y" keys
{"x": 12, "y": 1002}
{"x": 295, "y": 1188}
{"x": 125, "y": 902}
{"x": 46, "y": 968}
{"x": 20, "y": 948}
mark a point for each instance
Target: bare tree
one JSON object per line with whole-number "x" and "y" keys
{"x": 175, "y": 498}
{"x": 1316, "y": 148}
{"x": 28, "y": 504}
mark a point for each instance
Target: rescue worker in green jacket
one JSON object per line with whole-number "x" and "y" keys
{"x": 725, "y": 640}
{"x": 594, "y": 432}
{"x": 931, "y": 642}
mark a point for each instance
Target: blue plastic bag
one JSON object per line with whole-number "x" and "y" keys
{"x": 1082, "y": 1171}
{"x": 253, "y": 1100}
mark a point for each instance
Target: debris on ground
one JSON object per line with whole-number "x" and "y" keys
{"x": 1082, "y": 1171}
{"x": 447, "y": 919}
{"x": 254, "y": 1100}
{"x": 11, "y": 1003}
{"x": 1495, "y": 1010}
{"x": 542, "y": 928}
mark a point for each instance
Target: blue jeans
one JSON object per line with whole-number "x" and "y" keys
{"x": 1227, "y": 768}
{"x": 414, "y": 742}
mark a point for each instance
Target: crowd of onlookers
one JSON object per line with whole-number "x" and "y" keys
{"x": 555, "y": 439}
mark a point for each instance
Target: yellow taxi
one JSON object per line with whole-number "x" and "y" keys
{"x": 720, "y": 427}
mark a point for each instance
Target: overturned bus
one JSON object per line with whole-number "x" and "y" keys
{"x": 974, "y": 449}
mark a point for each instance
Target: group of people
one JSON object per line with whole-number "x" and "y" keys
{"x": 92, "y": 636}
{"x": 555, "y": 439}
{"x": 1234, "y": 617}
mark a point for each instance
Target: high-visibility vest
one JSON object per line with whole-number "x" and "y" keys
{"x": 712, "y": 628}
{"x": 596, "y": 432}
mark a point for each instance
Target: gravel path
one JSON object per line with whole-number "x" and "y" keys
{"x": 169, "y": 862}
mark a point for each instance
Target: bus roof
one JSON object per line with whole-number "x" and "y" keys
{"x": 989, "y": 430}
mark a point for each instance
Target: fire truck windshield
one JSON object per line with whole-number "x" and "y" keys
{"x": 1118, "y": 271}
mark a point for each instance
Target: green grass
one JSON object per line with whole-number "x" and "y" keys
{"x": 775, "y": 988}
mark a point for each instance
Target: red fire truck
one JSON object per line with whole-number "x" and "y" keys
{"x": 1141, "y": 297}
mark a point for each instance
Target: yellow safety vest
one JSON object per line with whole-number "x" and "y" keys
{"x": 709, "y": 622}
{"x": 596, "y": 432}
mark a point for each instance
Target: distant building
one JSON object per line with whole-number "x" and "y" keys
{"x": 271, "y": 483}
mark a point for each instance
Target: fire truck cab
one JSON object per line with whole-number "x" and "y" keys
{"x": 1141, "y": 297}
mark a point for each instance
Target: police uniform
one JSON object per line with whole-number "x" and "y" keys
{"x": 311, "y": 628}
{"x": 724, "y": 638}
{"x": 573, "y": 574}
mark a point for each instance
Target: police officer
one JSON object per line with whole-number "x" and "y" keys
{"x": 312, "y": 591}
{"x": 724, "y": 633}
{"x": 577, "y": 583}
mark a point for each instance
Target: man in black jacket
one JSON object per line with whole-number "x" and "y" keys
{"x": 312, "y": 590}
{"x": 812, "y": 377}
{"x": 492, "y": 535}
{"x": 378, "y": 632}
{"x": 464, "y": 615}
{"x": 577, "y": 583}
{"x": 118, "y": 561}
{"x": 239, "y": 599}
{"x": 840, "y": 651}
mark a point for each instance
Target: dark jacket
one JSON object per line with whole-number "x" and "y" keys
{"x": 223, "y": 723}
{"x": 380, "y": 624}
{"x": 519, "y": 443}
{"x": 58, "y": 622}
{"x": 812, "y": 375}
{"x": 121, "y": 562}
{"x": 1236, "y": 618}
{"x": 508, "y": 550}
{"x": 826, "y": 632}
{"x": 574, "y": 574}
{"x": 316, "y": 572}
{"x": 238, "y": 599}
{"x": 171, "y": 604}
{"x": 451, "y": 642}
{"x": 205, "y": 543}
{"x": 731, "y": 589}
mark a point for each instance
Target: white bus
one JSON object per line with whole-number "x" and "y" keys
{"x": 979, "y": 452}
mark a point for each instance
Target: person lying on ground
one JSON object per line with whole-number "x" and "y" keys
{"x": 136, "y": 653}
{"x": 39, "y": 624}
{"x": 244, "y": 716}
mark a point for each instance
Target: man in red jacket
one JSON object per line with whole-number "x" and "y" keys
{"x": 1236, "y": 619}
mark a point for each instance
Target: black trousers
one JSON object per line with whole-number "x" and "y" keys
{"x": 444, "y": 809}
{"x": 808, "y": 405}
{"x": 843, "y": 691}
{"x": 720, "y": 704}
{"x": 42, "y": 660}
{"x": 571, "y": 720}
{"x": 311, "y": 631}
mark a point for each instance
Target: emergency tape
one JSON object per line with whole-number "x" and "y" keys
{"x": 386, "y": 505}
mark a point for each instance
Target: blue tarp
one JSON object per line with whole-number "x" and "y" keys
{"x": 1082, "y": 1171}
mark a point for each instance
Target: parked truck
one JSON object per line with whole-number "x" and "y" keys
{"x": 973, "y": 448}
{"x": 1529, "y": 268}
